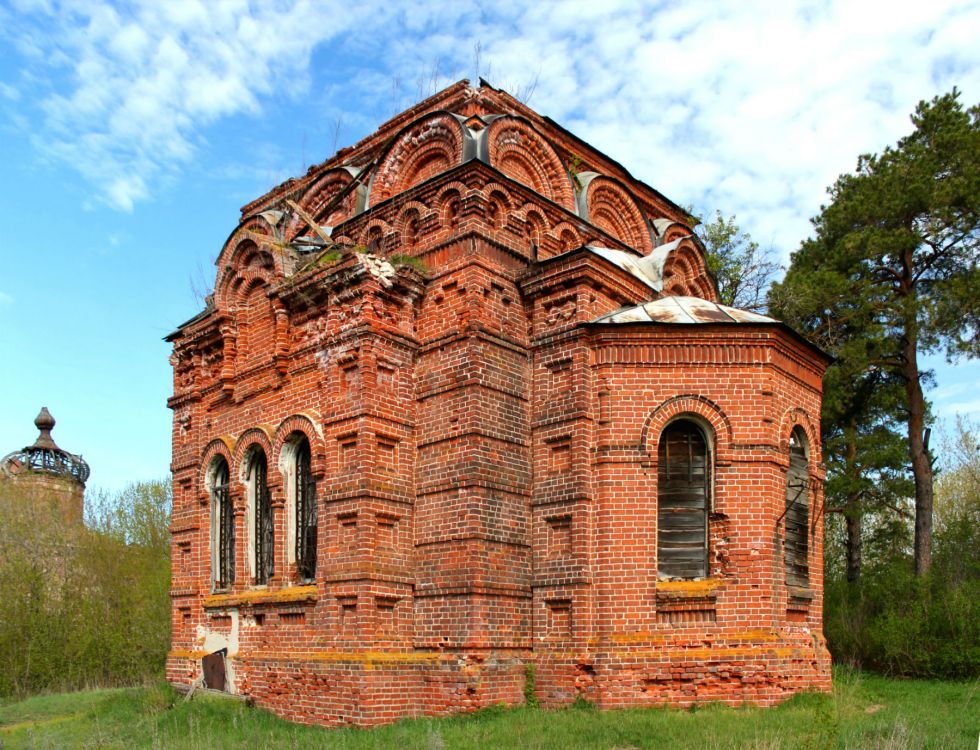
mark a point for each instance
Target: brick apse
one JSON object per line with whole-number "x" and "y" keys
{"x": 463, "y": 418}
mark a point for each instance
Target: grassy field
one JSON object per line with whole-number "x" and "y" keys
{"x": 865, "y": 711}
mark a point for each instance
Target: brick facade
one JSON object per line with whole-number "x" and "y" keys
{"x": 483, "y": 394}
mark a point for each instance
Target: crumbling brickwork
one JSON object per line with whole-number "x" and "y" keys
{"x": 479, "y": 363}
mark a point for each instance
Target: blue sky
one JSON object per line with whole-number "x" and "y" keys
{"x": 131, "y": 133}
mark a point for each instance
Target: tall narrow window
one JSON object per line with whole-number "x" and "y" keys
{"x": 264, "y": 534}
{"x": 222, "y": 528}
{"x": 682, "y": 502}
{"x": 797, "y": 511}
{"x": 306, "y": 516}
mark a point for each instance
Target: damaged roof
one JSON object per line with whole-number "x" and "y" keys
{"x": 683, "y": 310}
{"x": 649, "y": 269}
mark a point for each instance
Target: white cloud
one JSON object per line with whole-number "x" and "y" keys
{"x": 140, "y": 82}
{"x": 751, "y": 108}
{"x": 5, "y": 299}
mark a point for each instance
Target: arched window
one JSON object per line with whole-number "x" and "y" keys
{"x": 263, "y": 534}
{"x": 797, "y": 511}
{"x": 306, "y": 516}
{"x": 222, "y": 527}
{"x": 683, "y": 483}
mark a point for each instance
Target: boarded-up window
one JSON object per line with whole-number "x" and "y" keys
{"x": 684, "y": 477}
{"x": 797, "y": 511}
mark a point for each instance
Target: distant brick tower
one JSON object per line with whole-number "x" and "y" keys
{"x": 464, "y": 401}
{"x": 44, "y": 474}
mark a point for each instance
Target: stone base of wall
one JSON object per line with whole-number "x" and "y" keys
{"x": 369, "y": 688}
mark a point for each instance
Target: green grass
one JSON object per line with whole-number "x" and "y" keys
{"x": 865, "y": 711}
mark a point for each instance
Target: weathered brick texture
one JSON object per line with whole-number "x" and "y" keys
{"x": 484, "y": 444}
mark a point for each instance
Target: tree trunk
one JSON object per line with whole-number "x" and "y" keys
{"x": 852, "y": 513}
{"x": 853, "y": 545}
{"x": 921, "y": 465}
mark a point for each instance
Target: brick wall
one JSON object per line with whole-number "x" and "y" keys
{"x": 485, "y": 456}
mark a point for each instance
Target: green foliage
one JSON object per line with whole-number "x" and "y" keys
{"x": 530, "y": 687}
{"x": 401, "y": 259}
{"x": 891, "y": 273}
{"x": 926, "y": 626}
{"x": 85, "y": 606}
{"x": 742, "y": 269}
{"x": 864, "y": 711}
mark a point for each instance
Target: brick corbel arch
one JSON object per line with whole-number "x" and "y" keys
{"x": 518, "y": 150}
{"x": 376, "y": 228}
{"x": 255, "y": 238}
{"x": 321, "y": 192}
{"x": 567, "y": 235}
{"x": 411, "y": 223}
{"x": 685, "y": 273}
{"x": 499, "y": 204}
{"x": 703, "y": 409}
{"x": 612, "y": 209}
{"x": 423, "y": 149}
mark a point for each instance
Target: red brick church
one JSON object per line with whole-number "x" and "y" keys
{"x": 464, "y": 419}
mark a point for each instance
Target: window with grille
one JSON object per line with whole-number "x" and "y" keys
{"x": 683, "y": 483}
{"x": 797, "y": 511}
{"x": 306, "y": 512}
{"x": 223, "y": 527}
{"x": 264, "y": 530}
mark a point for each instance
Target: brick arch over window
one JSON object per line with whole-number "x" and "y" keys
{"x": 612, "y": 209}
{"x": 307, "y": 425}
{"x": 427, "y": 147}
{"x": 297, "y": 457}
{"x": 685, "y": 273}
{"x": 798, "y": 417}
{"x": 691, "y": 406}
{"x": 521, "y": 153}
{"x": 260, "y": 437}
{"x": 323, "y": 191}
{"x": 255, "y": 475}
{"x": 217, "y": 495}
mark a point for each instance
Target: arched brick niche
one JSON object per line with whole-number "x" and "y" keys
{"x": 317, "y": 197}
{"x": 517, "y": 150}
{"x": 425, "y": 148}
{"x": 612, "y": 209}
{"x": 685, "y": 273}
{"x": 248, "y": 255}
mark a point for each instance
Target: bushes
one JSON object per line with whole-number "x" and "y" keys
{"x": 899, "y": 624}
{"x": 85, "y": 606}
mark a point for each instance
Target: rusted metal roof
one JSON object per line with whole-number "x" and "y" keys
{"x": 683, "y": 310}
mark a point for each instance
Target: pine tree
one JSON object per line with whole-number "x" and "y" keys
{"x": 893, "y": 269}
